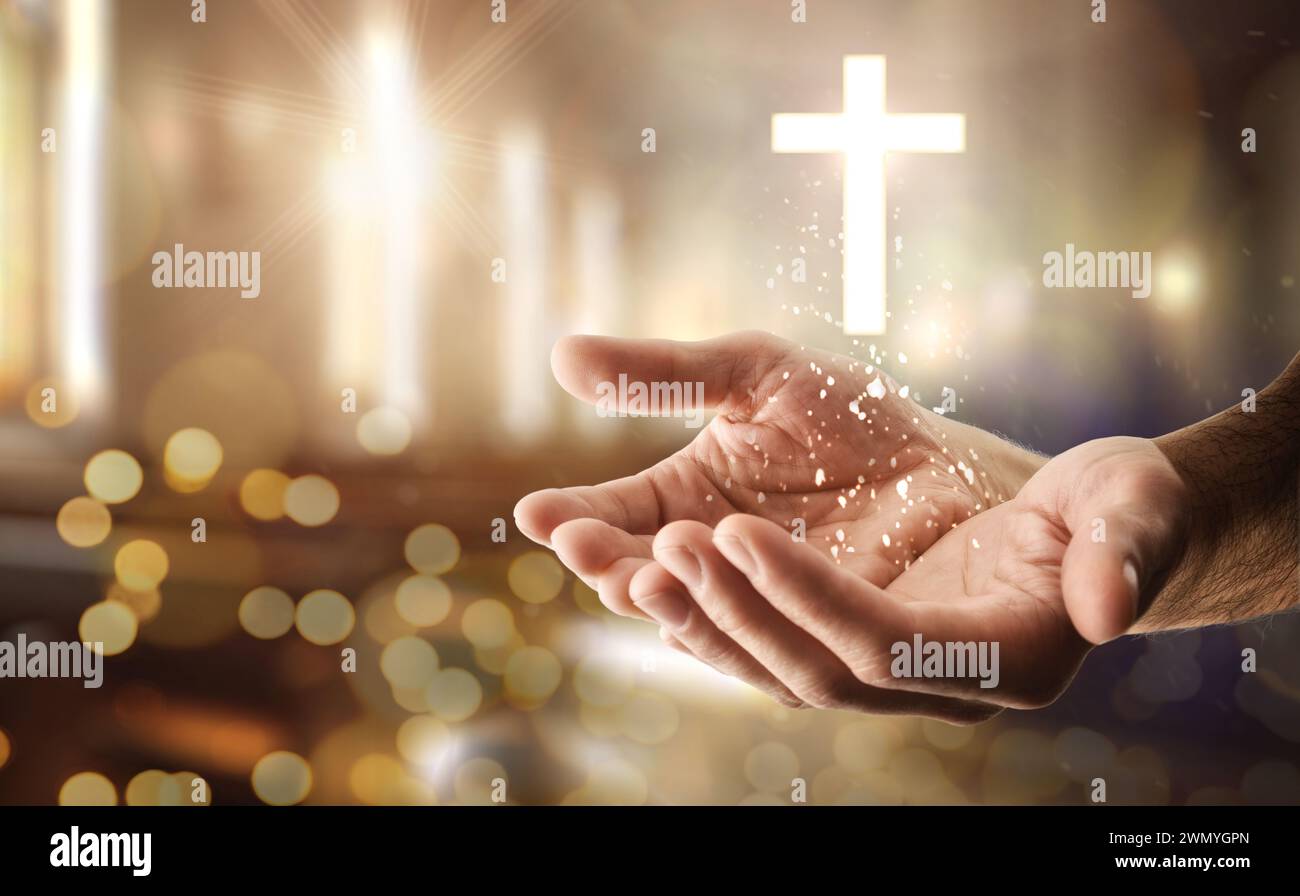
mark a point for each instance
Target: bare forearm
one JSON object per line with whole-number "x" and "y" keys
{"x": 1241, "y": 552}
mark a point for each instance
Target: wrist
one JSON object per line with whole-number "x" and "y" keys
{"x": 1239, "y": 557}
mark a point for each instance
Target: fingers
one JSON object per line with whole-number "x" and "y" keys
{"x": 863, "y": 626}
{"x": 630, "y": 504}
{"x": 855, "y": 619}
{"x": 605, "y": 558}
{"x": 659, "y": 596}
{"x": 1114, "y": 551}
{"x": 726, "y": 365}
{"x": 794, "y": 656}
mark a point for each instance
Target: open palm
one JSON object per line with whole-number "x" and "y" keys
{"x": 1043, "y": 576}
{"x": 824, "y": 445}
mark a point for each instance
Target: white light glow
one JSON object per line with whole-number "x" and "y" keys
{"x": 400, "y": 176}
{"x": 526, "y": 358}
{"x": 378, "y": 189}
{"x": 78, "y": 324}
{"x": 596, "y": 239}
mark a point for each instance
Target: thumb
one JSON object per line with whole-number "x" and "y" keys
{"x": 727, "y": 366}
{"x": 1116, "y": 551}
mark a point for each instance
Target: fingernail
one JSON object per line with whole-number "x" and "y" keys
{"x": 1131, "y": 577}
{"x": 668, "y": 608}
{"x": 734, "y": 550}
{"x": 682, "y": 563}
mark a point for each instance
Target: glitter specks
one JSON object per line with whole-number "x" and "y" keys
{"x": 876, "y": 389}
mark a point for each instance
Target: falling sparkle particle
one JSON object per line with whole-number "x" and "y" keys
{"x": 876, "y": 389}
{"x": 975, "y": 543}
{"x": 902, "y": 488}
{"x": 884, "y": 537}
{"x": 820, "y": 477}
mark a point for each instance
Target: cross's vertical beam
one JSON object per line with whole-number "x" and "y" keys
{"x": 864, "y": 195}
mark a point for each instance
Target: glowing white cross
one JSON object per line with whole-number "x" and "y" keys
{"x": 864, "y": 133}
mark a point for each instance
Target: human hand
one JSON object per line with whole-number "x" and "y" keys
{"x": 1042, "y": 575}
{"x": 800, "y": 434}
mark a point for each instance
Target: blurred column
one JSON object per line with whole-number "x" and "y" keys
{"x": 77, "y": 323}
{"x": 526, "y": 373}
{"x": 597, "y": 224}
{"x": 18, "y": 150}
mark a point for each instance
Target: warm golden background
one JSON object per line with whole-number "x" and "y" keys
{"x": 478, "y": 660}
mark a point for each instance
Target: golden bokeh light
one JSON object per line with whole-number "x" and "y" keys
{"x": 83, "y": 522}
{"x": 945, "y": 736}
{"x": 146, "y": 788}
{"x": 191, "y": 458}
{"x": 532, "y": 676}
{"x": 190, "y": 789}
{"x": 324, "y": 617}
{"x": 771, "y": 767}
{"x": 141, "y": 565}
{"x": 603, "y": 680}
{"x": 6, "y": 748}
{"x": 88, "y": 789}
{"x": 261, "y": 494}
{"x": 113, "y": 476}
{"x": 410, "y": 699}
{"x": 423, "y": 739}
{"x": 378, "y": 779}
{"x": 51, "y": 405}
{"x": 648, "y": 718}
{"x": 535, "y": 577}
{"x": 453, "y": 695}
{"x": 311, "y": 500}
{"x": 478, "y": 780}
{"x": 423, "y": 600}
{"x": 266, "y": 612}
{"x": 384, "y": 431}
{"x": 487, "y": 623}
{"x": 494, "y": 659}
{"x": 432, "y": 549}
{"x": 866, "y": 746}
{"x": 144, "y": 604}
{"x": 614, "y": 782}
{"x": 282, "y": 778}
{"x": 587, "y": 599}
{"x": 409, "y": 662}
{"x": 111, "y": 624}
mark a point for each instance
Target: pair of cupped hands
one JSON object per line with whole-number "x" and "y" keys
{"x": 912, "y": 524}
